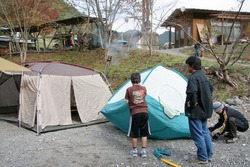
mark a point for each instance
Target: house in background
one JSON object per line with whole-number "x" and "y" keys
{"x": 196, "y": 22}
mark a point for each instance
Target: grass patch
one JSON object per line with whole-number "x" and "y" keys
{"x": 139, "y": 60}
{"x": 218, "y": 49}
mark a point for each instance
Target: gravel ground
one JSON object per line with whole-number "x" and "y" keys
{"x": 103, "y": 145}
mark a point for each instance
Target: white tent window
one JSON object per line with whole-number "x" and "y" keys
{"x": 28, "y": 99}
{"x": 55, "y": 101}
{"x": 91, "y": 94}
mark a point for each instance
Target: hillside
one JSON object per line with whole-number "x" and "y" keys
{"x": 164, "y": 37}
{"x": 66, "y": 10}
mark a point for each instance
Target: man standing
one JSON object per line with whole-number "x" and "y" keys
{"x": 198, "y": 108}
{"x": 230, "y": 120}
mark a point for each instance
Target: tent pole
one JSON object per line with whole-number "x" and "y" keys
{"x": 106, "y": 81}
{"x": 20, "y": 104}
{"x": 37, "y": 104}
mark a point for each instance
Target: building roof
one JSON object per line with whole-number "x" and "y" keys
{"x": 219, "y": 14}
{"x": 55, "y": 24}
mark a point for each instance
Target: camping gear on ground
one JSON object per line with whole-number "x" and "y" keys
{"x": 52, "y": 89}
{"x": 161, "y": 83}
{"x": 158, "y": 154}
{"x": 169, "y": 162}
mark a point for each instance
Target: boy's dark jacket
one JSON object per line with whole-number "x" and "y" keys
{"x": 199, "y": 103}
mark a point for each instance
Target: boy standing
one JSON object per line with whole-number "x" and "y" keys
{"x": 135, "y": 97}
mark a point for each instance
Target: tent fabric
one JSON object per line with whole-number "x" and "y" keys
{"x": 57, "y": 68}
{"x": 51, "y": 94}
{"x": 6, "y": 65}
{"x": 9, "y": 94}
{"x": 10, "y": 76}
{"x": 171, "y": 113}
{"x": 91, "y": 95}
{"x": 45, "y": 95}
{"x": 166, "y": 84}
{"x": 28, "y": 99}
{"x": 55, "y": 101}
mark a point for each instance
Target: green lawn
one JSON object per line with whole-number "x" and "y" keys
{"x": 139, "y": 60}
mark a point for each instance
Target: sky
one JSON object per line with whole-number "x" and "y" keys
{"x": 122, "y": 26}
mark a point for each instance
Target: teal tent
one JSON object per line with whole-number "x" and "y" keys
{"x": 165, "y": 98}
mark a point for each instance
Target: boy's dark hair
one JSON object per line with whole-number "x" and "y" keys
{"x": 135, "y": 78}
{"x": 194, "y": 62}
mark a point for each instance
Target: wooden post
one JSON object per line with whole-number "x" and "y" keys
{"x": 170, "y": 38}
{"x": 10, "y": 43}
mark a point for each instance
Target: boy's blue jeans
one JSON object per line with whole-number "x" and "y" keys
{"x": 202, "y": 139}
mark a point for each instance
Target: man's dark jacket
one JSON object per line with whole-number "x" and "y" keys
{"x": 199, "y": 103}
{"x": 228, "y": 113}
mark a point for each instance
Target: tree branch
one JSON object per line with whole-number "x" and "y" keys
{"x": 231, "y": 29}
{"x": 241, "y": 53}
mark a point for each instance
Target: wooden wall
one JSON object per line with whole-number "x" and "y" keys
{"x": 195, "y": 29}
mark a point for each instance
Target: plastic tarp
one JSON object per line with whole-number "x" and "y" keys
{"x": 166, "y": 84}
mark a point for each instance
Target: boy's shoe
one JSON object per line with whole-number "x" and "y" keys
{"x": 134, "y": 152}
{"x": 143, "y": 153}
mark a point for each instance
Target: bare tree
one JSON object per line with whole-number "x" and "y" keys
{"x": 150, "y": 14}
{"x": 107, "y": 11}
{"x": 229, "y": 56}
{"x": 20, "y": 15}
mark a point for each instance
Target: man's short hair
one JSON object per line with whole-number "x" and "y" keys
{"x": 135, "y": 78}
{"x": 194, "y": 62}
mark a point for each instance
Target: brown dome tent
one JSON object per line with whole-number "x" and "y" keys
{"x": 51, "y": 89}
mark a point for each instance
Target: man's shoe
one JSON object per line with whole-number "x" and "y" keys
{"x": 134, "y": 152}
{"x": 143, "y": 153}
{"x": 228, "y": 135}
{"x": 232, "y": 140}
{"x": 197, "y": 161}
{"x": 210, "y": 159}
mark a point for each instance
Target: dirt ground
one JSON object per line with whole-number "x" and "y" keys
{"x": 103, "y": 145}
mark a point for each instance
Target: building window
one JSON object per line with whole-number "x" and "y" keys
{"x": 226, "y": 30}
{"x": 177, "y": 38}
{"x": 181, "y": 38}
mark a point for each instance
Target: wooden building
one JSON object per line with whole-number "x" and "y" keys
{"x": 62, "y": 34}
{"x": 196, "y": 23}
